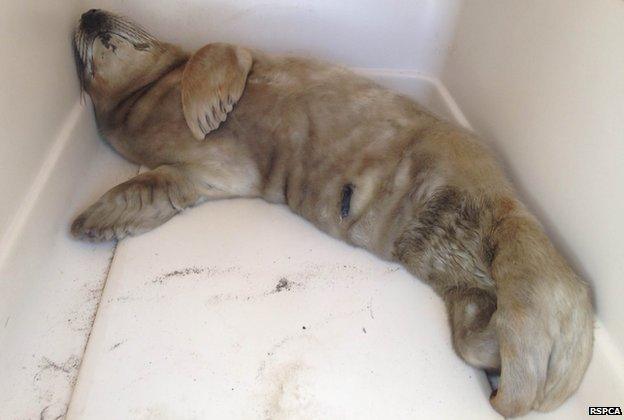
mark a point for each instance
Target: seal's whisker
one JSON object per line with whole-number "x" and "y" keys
{"x": 140, "y": 33}
{"x": 129, "y": 34}
{"x": 82, "y": 47}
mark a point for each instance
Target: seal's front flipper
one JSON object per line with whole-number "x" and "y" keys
{"x": 213, "y": 81}
{"x": 138, "y": 205}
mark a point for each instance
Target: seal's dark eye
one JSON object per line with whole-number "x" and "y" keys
{"x": 141, "y": 47}
{"x": 105, "y": 38}
{"x": 108, "y": 44}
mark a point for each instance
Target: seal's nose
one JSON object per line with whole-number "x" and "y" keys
{"x": 92, "y": 18}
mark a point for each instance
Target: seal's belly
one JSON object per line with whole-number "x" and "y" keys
{"x": 361, "y": 207}
{"x": 364, "y": 192}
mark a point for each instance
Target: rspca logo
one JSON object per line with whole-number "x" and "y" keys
{"x": 605, "y": 411}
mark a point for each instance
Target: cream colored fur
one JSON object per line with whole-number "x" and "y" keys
{"x": 232, "y": 122}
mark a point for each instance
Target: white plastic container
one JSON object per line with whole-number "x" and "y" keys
{"x": 187, "y": 321}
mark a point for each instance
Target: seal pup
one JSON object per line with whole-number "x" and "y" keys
{"x": 364, "y": 164}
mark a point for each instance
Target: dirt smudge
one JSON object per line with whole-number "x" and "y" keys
{"x": 283, "y": 284}
{"x": 68, "y": 367}
{"x": 114, "y": 346}
{"x": 179, "y": 273}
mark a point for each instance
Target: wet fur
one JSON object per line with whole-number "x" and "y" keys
{"x": 420, "y": 191}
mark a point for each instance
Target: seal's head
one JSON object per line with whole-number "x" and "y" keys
{"x": 115, "y": 56}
